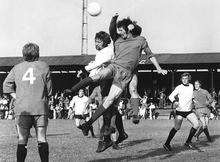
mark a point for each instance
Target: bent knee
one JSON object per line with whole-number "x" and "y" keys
{"x": 196, "y": 125}
{"x": 41, "y": 139}
{"x": 22, "y": 141}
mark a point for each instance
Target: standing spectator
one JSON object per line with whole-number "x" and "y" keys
{"x": 202, "y": 100}
{"x": 162, "y": 99}
{"x": 214, "y": 94}
{"x": 218, "y": 98}
{"x": 70, "y": 113}
{"x": 152, "y": 108}
{"x": 33, "y": 88}
{"x": 11, "y": 109}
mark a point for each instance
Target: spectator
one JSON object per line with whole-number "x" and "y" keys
{"x": 143, "y": 108}
{"x": 152, "y": 108}
{"x": 162, "y": 99}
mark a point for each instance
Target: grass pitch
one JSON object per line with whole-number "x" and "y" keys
{"x": 67, "y": 144}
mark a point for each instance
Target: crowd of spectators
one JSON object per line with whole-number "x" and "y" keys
{"x": 59, "y": 105}
{"x": 6, "y": 107}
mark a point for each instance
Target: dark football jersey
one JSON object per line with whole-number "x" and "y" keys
{"x": 31, "y": 82}
{"x": 128, "y": 51}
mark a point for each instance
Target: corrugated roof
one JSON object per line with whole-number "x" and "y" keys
{"x": 51, "y": 60}
{"x": 165, "y": 58}
{"x": 188, "y": 58}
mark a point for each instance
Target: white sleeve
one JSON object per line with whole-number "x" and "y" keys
{"x": 173, "y": 94}
{"x": 106, "y": 55}
{"x": 72, "y": 102}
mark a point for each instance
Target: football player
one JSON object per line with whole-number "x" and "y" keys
{"x": 79, "y": 104}
{"x": 202, "y": 99}
{"x": 183, "y": 94}
{"x": 111, "y": 119}
{"x": 127, "y": 51}
{"x": 33, "y": 87}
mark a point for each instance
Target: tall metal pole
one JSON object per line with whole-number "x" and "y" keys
{"x": 212, "y": 79}
{"x": 84, "y": 45}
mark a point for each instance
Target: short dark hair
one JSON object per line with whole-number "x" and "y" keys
{"x": 124, "y": 23}
{"x": 136, "y": 31}
{"x": 30, "y": 52}
{"x": 81, "y": 89}
{"x": 186, "y": 74}
{"x": 104, "y": 37}
{"x": 198, "y": 82}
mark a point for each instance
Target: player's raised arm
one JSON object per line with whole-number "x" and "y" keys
{"x": 113, "y": 28}
{"x": 153, "y": 59}
{"x": 156, "y": 64}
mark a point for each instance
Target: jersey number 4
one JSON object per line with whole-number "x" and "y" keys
{"x": 29, "y": 76}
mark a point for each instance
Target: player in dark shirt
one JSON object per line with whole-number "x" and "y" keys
{"x": 202, "y": 100}
{"x": 112, "y": 120}
{"x": 136, "y": 32}
{"x": 33, "y": 88}
{"x": 127, "y": 51}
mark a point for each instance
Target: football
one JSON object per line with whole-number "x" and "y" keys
{"x": 94, "y": 9}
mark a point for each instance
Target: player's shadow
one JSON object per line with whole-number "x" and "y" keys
{"x": 158, "y": 152}
{"x": 144, "y": 154}
{"x": 134, "y": 142}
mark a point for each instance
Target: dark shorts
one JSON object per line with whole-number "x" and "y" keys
{"x": 28, "y": 121}
{"x": 184, "y": 114}
{"x": 201, "y": 112}
{"x": 83, "y": 117}
{"x": 122, "y": 76}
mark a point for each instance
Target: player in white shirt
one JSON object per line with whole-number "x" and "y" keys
{"x": 79, "y": 104}
{"x": 183, "y": 94}
{"x": 103, "y": 55}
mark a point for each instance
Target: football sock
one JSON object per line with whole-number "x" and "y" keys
{"x": 113, "y": 124}
{"x": 83, "y": 83}
{"x": 96, "y": 115}
{"x": 199, "y": 132}
{"x": 191, "y": 134}
{"x": 107, "y": 138}
{"x": 92, "y": 132}
{"x": 21, "y": 152}
{"x": 105, "y": 124}
{"x": 206, "y": 131}
{"x": 171, "y": 135}
{"x": 119, "y": 124}
{"x": 135, "y": 102}
{"x": 43, "y": 150}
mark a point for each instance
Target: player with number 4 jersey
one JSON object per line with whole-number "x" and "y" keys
{"x": 30, "y": 84}
{"x": 31, "y": 90}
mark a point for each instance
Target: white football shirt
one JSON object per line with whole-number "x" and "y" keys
{"x": 79, "y": 104}
{"x": 185, "y": 95}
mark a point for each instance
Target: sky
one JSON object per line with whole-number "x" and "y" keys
{"x": 170, "y": 26}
